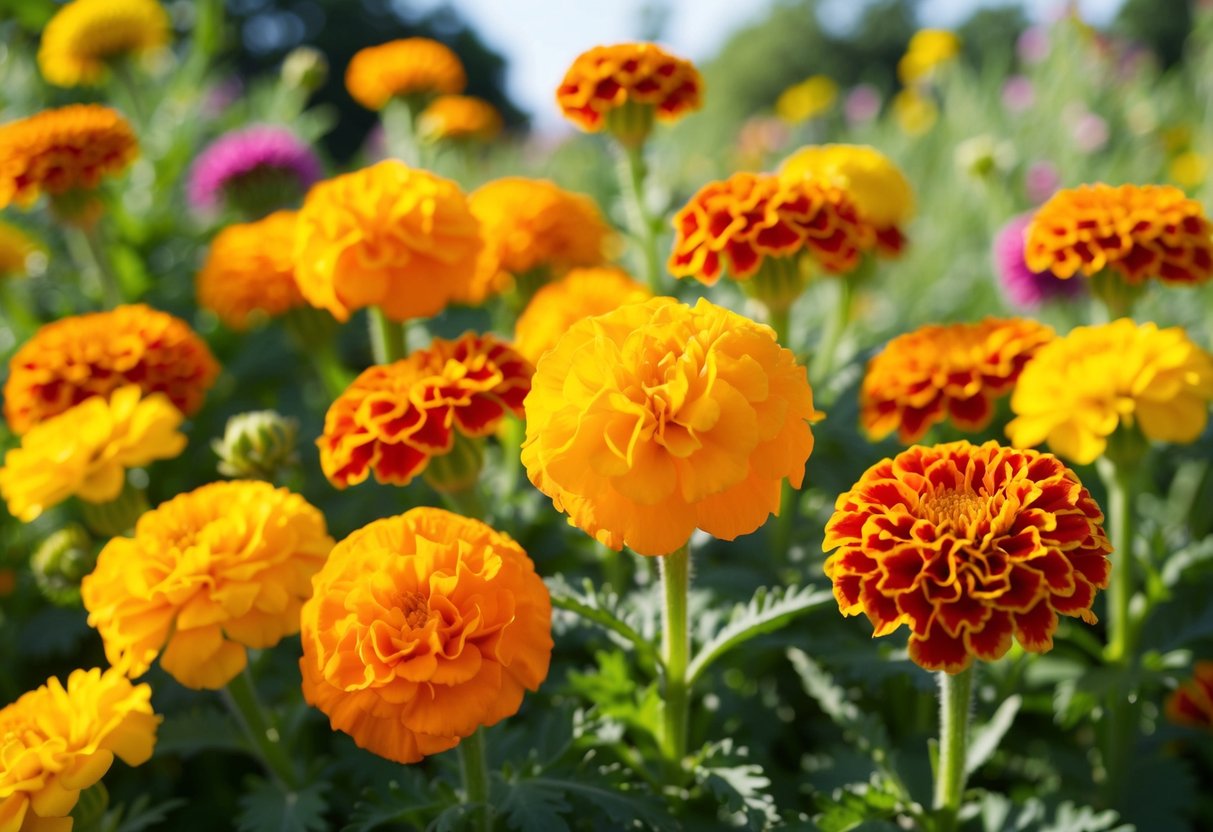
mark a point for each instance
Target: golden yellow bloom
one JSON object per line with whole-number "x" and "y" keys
{"x": 915, "y": 113}
{"x": 62, "y": 150}
{"x": 971, "y": 547}
{"x": 408, "y": 67}
{"x": 946, "y": 371}
{"x": 82, "y": 356}
{"x": 1137, "y": 231}
{"x": 582, "y": 293}
{"x": 389, "y": 236}
{"x": 1080, "y": 388}
{"x": 85, "y": 451}
{"x": 928, "y": 50}
{"x": 808, "y": 99}
{"x": 648, "y": 422}
{"x": 454, "y": 117}
{"x": 424, "y": 627}
{"x": 58, "y": 740}
{"x": 533, "y": 225}
{"x": 1188, "y": 169}
{"x": 208, "y": 574}
{"x": 250, "y": 270}
{"x": 19, "y": 254}
{"x": 85, "y": 35}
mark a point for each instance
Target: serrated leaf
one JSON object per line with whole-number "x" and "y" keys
{"x": 141, "y": 815}
{"x": 985, "y": 739}
{"x": 620, "y": 809}
{"x": 534, "y": 804}
{"x": 267, "y": 808}
{"x": 868, "y": 731}
{"x": 739, "y": 785}
{"x": 407, "y": 797}
{"x": 604, "y": 609}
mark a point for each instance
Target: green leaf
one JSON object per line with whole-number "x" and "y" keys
{"x": 267, "y": 808}
{"x": 141, "y": 815}
{"x": 200, "y": 729}
{"x": 738, "y": 785}
{"x": 619, "y": 808}
{"x": 604, "y": 609}
{"x": 534, "y": 804}
{"x": 986, "y": 738}
{"x": 767, "y": 611}
{"x": 407, "y": 797}
{"x": 999, "y": 814}
{"x": 863, "y": 728}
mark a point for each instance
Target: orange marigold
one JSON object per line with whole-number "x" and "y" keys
{"x": 250, "y": 270}
{"x": 392, "y": 419}
{"x": 84, "y": 35}
{"x": 1192, "y": 702}
{"x": 424, "y": 627}
{"x": 1137, "y": 231}
{"x": 208, "y": 574}
{"x": 453, "y": 117}
{"x": 62, "y": 150}
{"x": 946, "y": 371}
{"x": 582, "y": 293}
{"x": 82, "y": 356}
{"x": 648, "y": 422}
{"x": 407, "y": 67}
{"x": 389, "y": 236}
{"x": 968, "y": 545}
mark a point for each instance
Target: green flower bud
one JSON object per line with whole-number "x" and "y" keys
{"x": 61, "y": 562}
{"x": 257, "y": 445}
{"x": 458, "y": 469}
{"x": 305, "y": 68}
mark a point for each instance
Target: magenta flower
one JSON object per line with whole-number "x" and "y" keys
{"x": 1041, "y": 181}
{"x": 1022, "y": 286}
{"x": 1018, "y": 94}
{"x": 1033, "y": 45}
{"x": 862, "y": 104}
{"x": 252, "y": 166}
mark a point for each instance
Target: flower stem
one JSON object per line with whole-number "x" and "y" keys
{"x": 781, "y": 537}
{"x": 241, "y": 698}
{"x": 473, "y": 764}
{"x": 823, "y": 360}
{"x": 632, "y": 174}
{"x": 955, "y": 695}
{"x": 85, "y": 249}
{"x": 675, "y": 653}
{"x": 312, "y": 330}
{"x": 388, "y": 342}
{"x": 400, "y": 130}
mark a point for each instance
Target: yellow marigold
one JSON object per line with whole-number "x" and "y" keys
{"x": 62, "y": 150}
{"x": 808, "y": 99}
{"x": 879, "y": 189}
{"x": 422, "y": 628}
{"x": 58, "y": 740}
{"x": 19, "y": 254}
{"x": 84, "y": 35}
{"x": 1188, "y": 169}
{"x": 1192, "y": 702}
{"x": 1080, "y": 388}
{"x": 389, "y": 236}
{"x": 82, "y": 356}
{"x": 582, "y": 293}
{"x": 915, "y": 113}
{"x": 928, "y": 49}
{"x": 648, "y": 422}
{"x": 408, "y": 67}
{"x": 946, "y": 371}
{"x": 85, "y": 451}
{"x": 250, "y": 270}
{"x": 453, "y": 117}
{"x": 1137, "y": 231}
{"x": 392, "y": 419}
{"x": 970, "y": 546}
{"x": 208, "y": 574}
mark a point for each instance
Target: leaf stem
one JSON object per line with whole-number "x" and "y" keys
{"x": 388, "y": 342}
{"x": 85, "y": 249}
{"x": 675, "y": 652}
{"x": 241, "y": 698}
{"x": 473, "y": 764}
{"x": 955, "y": 695}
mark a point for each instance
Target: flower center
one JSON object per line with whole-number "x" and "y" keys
{"x": 416, "y": 609}
{"x": 954, "y": 506}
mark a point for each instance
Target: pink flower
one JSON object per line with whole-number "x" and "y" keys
{"x": 1018, "y": 94}
{"x": 1022, "y": 286}
{"x": 1033, "y": 45}
{"x": 1041, "y": 181}
{"x": 1090, "y": 132}
{"x": 862, "y": 104}
{"x": 264, "y": 155}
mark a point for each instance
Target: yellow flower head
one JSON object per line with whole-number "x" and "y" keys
{"x": 208, "y": 574}
{"x": 408, "y": 67}
{"x": 808, "y": 99}
{"x": 85, "y": 35}
{"x": 915, "y": 113}
{"x": 86, "y": 450}
{"x": 582, "y": 293}
{"x": 928, "y": 50}
{"x": 1188, "y": 169}
{"x": 456, "y": 117}
{"x": 1080, "y": 388}
{"x": 648, "y": 422}
{"x": 19, "y": 254}
{"x": 250, "y": 271}
{"x": 58, "y": 740}
{"x": 389, "y": 236}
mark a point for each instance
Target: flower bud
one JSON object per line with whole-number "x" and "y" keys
{"x": 305, "y": 68}
{"x": 60, "y": 562}
{"x": 259, "y": 445}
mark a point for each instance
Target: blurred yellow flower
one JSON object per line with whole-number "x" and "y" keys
{"x": 582, "y": 293}
{"x": 250, "y": 271}
{"x": 928, "y": 50}
{"x": 1188, "y": 169}
{"x": 84, "y": 35}
{"x": 19, "y": 254}
{"x": 455, "y": 117}
{"x": 407, "y": 67}
{"x": 915, "y": 113}
{"x": 808, "y": 99}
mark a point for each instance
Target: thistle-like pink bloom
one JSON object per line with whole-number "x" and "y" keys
{"x": 262, "y": 155}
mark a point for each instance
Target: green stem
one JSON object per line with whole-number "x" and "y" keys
{"x": 780, "y": 320}
{"x": 675, "y": 653}
{"x": 399, "y": 118}
{"x": 632, "y": 175}
{"x": 473, "y": 764}
{"x": 466, "y": 502}
{"x": 823, "y": 360}
{"x": 241, "y": 697}
{"x": 313, "y": 332}
{"x": 513, "y": 434}
{"x": 388, "y": 341}
{"x": 85, "y": 248}
{"x": 955, "y": 695}
{"x": 781, "y": 538}
{"x": 131, "y": 91}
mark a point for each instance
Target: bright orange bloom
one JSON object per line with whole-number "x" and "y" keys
{"x": 732, "y": 226}
{"x": 250, "y": 270}
{"x": 648, "y": 422}
{"x": 82, "y": 356}
{"x": 945, "y": 372}
{"x": 969, "y": 546}
{"x": 56, "y": 151}
{"x": 208, "y": 574}
{"x": 84, "y": 35}
{"x": 453, "y": 117}
{"x": 408, "y": 67}
{"x": 1192, "y": 702}
{"x": 424, "y": 627}
{"x": 1137, "y": 231}
{"x": 582, "y": 293}
{"x": 392, "y": 419}
{"x": 388, "y": 236}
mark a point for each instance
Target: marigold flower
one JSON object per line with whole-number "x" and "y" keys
{"x": 388, "y": 236}
{"x": 58, "y": 740}
{"x": 422, "y": 628}
{"x": 20, "y": 255}
{"x": 85, "y": 451}
{"x": 408, "y": 67}
{"x": 84, "y": 35}
{"x": 208, "y": 574}
{"x": 915, "y": 112}
{"x": 255, "y": 166}
{"x": 455, "y": 117}
{"x": 648, "y": 422}
{"x": 82, "y": 356}
{"x": 1077, "y": 390}
{"x": 928, "y": 50}
{"x": 808, "y": 99}
{"x": 392, "y": 419}
{"x": 946, "y": 371}
{"x": 1138, "y": 232}
{"x": 250, "y": 270}
{"x": 1022, "y": 286}
{"x": 1192, "y": 702}
{"x": 67, "y": 149}
{"x": 582, "y": 293}
{"x": 970, "y": 546}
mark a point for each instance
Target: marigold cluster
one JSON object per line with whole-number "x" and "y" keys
{"x": 67, "y": 149}
{"x": 1080, "y": 388}
{"x": 1192, "y": 702}
{"x": 58, "y": 740}
{"x": 207, "y": 575}
{"x": 970, "y": 547}
{"x": 1136, "y": 231}
{"x": 84, "y": 35}
{"x": 946, "y": 372}
{"x": 81, "y": 356}
{"x": 582, "y": 293}
{"x": 455, "y": 117}
{"x": 389, "y": 236}
{"x": 408, "y": 67}
{"x": 392, "y": 419}
{"x": 250, "y": 271}
{"x": 422, "y": 628}
{"x": 648, "y": 422}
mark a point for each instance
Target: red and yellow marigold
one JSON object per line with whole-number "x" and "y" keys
{"x": 1191, "y": 703}
{"x": 250, "y": 271}
{"x": 582, "y": 293}
{"x": 407, "y": 67}
{"x": 85, "y": 35}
